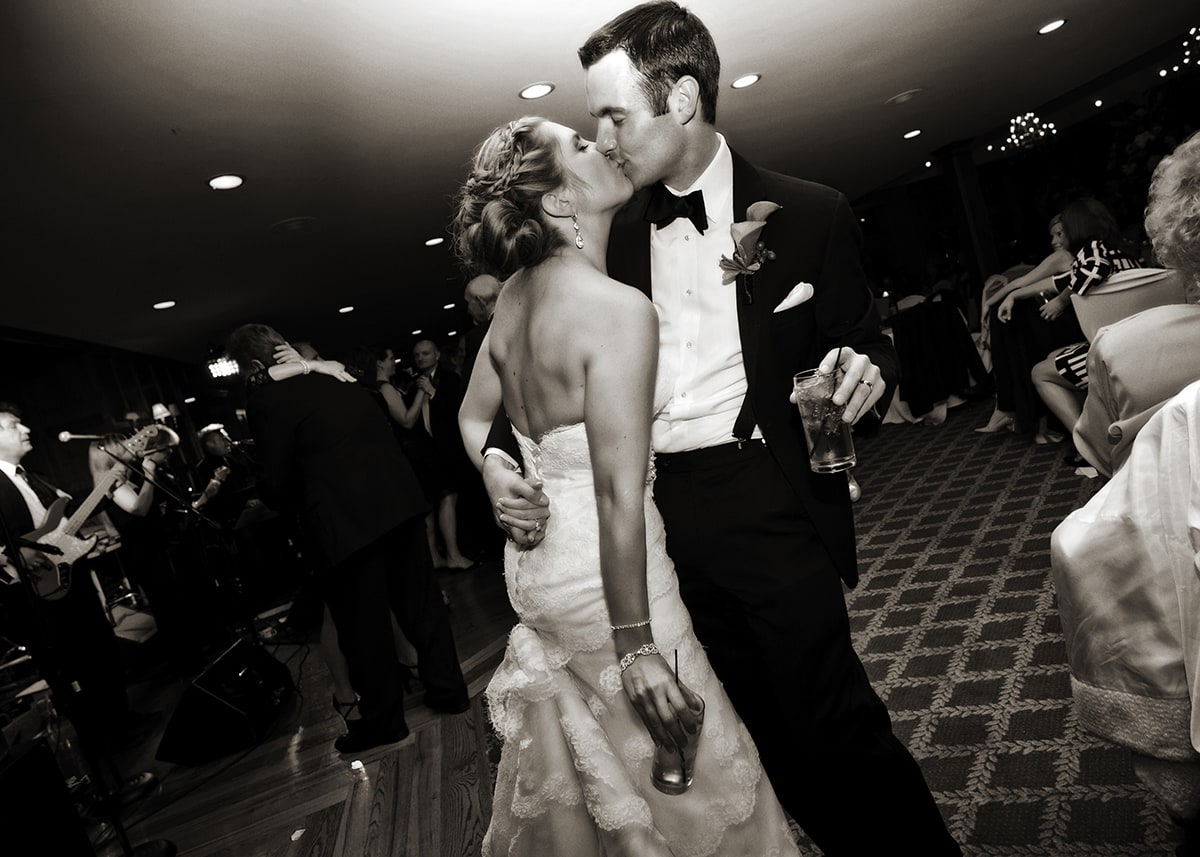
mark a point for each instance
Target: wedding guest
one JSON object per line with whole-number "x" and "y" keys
{"x": 327, "y": 455}
{"x": 443, "y": 391}
{"x": 1124, "y": 566}
{"x": 1092, "y": 234}
{"x": 1019, "y": 336}
{"x": 1135, "y": 365}
{"x": 480, "y": 296}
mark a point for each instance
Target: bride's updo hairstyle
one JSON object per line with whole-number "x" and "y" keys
{"x": 500, "y": 226}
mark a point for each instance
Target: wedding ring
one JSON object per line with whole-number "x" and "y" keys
{"x": 864, "y": 381}
{"x": 537, "y": 525}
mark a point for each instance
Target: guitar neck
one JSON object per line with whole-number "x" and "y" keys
{"x": 90, "y": 502}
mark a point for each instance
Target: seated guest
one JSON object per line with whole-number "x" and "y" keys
{"x": 1093, "y": 236}
{"x": 328, "y": 457}
{"x": 1135, "y": 365}
{"x": 1124, "y": 566}
{"x": 1020, "y": 336}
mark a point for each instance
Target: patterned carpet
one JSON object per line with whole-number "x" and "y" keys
{"x": 955, "y": 620}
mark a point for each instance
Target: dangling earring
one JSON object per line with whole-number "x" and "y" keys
{"x": 578, "y": 237}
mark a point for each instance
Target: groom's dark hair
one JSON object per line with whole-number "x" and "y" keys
{"x": 664, "y": 42}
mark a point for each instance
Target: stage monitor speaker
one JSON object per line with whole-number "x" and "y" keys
{"x": 230, "y": 706}
{"x": 37, "y": 813}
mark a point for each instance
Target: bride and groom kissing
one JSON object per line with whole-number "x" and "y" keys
{"x": 721, "y": 546}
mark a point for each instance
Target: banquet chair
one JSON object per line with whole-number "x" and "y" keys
{"x": 1125, "y": 293}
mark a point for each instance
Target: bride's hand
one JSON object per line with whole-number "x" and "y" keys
{"x": 286, "y": 354}
{"x": 669, "y": 709}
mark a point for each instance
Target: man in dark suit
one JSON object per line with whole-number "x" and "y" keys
{"x": 328, "y": 455}
{"x": 761, "y": 544}
{"x": 67, "y": 632}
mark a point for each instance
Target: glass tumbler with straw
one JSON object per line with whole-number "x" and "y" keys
{"x": 674, "y": 767}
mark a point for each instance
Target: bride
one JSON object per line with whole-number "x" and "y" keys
{"x": 588, "y": 687}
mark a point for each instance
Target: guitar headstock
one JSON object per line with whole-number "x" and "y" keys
{"x": 152, "y": 438}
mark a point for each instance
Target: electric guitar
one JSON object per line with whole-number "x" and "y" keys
{"x": 51, "y": 573}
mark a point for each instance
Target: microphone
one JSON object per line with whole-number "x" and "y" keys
{"x": 65, "y": 436}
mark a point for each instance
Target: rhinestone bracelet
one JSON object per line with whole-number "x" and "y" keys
{"x": 641, "y": 624}
{"x": 629, "y": 657}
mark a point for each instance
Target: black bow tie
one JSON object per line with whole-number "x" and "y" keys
{"x": 665, "y": 206}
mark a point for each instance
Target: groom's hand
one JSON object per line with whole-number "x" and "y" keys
{"x": 519, "y": 506}
{"x": 861, "y": 385}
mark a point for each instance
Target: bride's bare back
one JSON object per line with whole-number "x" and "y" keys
{"x": 562, "y": 330}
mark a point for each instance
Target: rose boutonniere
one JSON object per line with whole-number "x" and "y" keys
{"x": 748, "y": 252}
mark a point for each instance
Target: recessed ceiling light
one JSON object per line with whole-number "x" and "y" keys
{"x": 905, "y": 96}
{"x": 1051, "y": 26}
{"x": 915, "y": 132}
{"x": 1099, "y": 102}
{"x": 929, "y": 163}
{"x": 417, "y": 332}
{"x": 448, "y": 306}
{"x": 164, "y": 304}
{"x": 536, "y": 90}
{"x": 452, "y": 333}
{"x": 990, "y": 147}
{"x": 225, "y": 182}
{"x": 746, "y": 80}
{"x": 189, "y": 400}
{"x": 346, "y": 309}
{"x": 433, "y": 242}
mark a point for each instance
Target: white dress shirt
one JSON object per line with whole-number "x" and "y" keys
{"x": 36, "y": 510}
{"x": 700, "y": 348}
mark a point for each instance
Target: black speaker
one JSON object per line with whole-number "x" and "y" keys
{"x": 230, "y": 706}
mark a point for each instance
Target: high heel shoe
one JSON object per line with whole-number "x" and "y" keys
{"x": 999, "y": 422}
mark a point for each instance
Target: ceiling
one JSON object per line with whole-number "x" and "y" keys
{"x": 352, "y": 122}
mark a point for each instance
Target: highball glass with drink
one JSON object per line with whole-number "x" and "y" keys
{"x": 830, "y": 445}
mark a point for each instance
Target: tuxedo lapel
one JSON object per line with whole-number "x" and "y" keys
{"x": 748, "y": 188}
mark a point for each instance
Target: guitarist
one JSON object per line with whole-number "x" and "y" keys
{"x": 69, "y": 638}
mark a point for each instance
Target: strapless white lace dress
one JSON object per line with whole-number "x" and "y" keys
{"x": 574, "y": 772}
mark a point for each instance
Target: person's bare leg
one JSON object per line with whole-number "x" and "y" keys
{"x": 448, "y": 522}
{"x": 431, "y": 534}
{"x": 1060, "y": 396}
{"x": 343, "y": 691}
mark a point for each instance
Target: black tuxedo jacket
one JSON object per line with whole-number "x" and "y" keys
{"x": 328, "y": 454}
{"x": 816, "y": 239}
{"x": 443, "y": 407}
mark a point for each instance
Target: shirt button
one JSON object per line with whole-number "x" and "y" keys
{"x": 683, "y": 395}
{"x": 689, "y": 345}
{"x": 687, "y": 237}
{"x": 688, "y": 292}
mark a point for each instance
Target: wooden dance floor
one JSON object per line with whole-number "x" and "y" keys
{"x": 293, "y": 794}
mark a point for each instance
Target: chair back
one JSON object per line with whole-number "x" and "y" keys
{"x": 1125, "y": 293}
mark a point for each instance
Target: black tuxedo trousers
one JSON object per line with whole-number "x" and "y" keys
{"x": 767, "y": 603}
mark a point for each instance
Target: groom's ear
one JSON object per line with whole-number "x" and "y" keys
{"x": 557, "y": 203}
{"x": 685, "y": 99}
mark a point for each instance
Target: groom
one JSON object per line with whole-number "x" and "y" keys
{"x": 760, "y": 543}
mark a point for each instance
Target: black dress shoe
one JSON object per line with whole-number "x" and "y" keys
{"x": 363, "y": 736}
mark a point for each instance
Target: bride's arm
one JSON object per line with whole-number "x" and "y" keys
{"x": 618, "y": 409}
{"x": 480, "y": 404}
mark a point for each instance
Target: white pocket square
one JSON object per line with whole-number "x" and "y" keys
{"x": 798, "y": 295}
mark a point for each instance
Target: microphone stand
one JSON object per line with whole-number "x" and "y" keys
{"x": 93, "y": 755}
